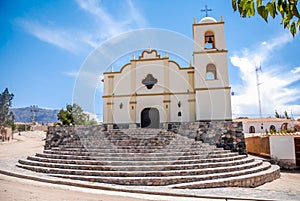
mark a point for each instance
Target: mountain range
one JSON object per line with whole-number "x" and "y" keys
{"x": 41, "y": 115}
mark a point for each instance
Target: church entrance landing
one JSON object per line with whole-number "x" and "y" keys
{"x": 150, "y": 118}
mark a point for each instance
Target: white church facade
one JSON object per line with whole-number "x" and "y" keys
{"x": 152, "y": 90}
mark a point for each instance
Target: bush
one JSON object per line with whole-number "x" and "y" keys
{"x": 23, "y": 127}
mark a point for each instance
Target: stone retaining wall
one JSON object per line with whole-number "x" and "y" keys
{"x": 223, "y": 134}
{"x": 226, "y": 134}
{"x": 63, "y": 135}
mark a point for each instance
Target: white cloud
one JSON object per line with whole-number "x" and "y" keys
{"x": 264, "y": 43}
{"x": 296, "y": 70}
{"x": 108, "y": 26}
{"x": 49, "y": 34}
{"x": 104, "y": 26}
{"x": 71, "y": 73}
{"x": 135, "y": 15}
{"x": 276, "y": 83}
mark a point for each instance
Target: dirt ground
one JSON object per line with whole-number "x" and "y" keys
{"x": 12, "y": 188}
{"x": 29, "y": 143}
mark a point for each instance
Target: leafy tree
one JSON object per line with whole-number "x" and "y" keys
{"x": 286, "y": 8}
{"x": 65, "y": 117}
{"x": 23, "y": 127}
{"x": 6, "y": 116}
{"x": 286, "y": 116}
{"x": 276, "y": 114}
{"x": 74, "y": 115}
{"x": 79, "y": 116}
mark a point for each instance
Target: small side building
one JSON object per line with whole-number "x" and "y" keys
{"x": 265, "y": 125}
{"x": 275, "y": 138}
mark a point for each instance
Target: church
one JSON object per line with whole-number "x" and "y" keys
{"x": 153, "y": 91}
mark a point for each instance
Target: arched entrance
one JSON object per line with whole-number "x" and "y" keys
{"x": 284, "y": 126}
{"x": 251, "y": 129}
{"x": 150, "y": 118}
{"x": 272, "y": 129}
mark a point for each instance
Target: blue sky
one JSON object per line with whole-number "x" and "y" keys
{"x": 43, "y": 45}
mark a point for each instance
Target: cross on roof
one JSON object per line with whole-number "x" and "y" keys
{"x": 206, "y": 10}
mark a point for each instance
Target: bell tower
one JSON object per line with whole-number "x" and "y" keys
{"x": 213, "y": 101}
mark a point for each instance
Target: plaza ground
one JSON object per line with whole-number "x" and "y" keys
{"x": 13, "y": 188}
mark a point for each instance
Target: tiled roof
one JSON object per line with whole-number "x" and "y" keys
{"x": 258, "y": 120}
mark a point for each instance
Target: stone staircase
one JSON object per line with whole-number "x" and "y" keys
{"x": 148, "y": 157}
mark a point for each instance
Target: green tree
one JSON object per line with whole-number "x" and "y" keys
{"x": 276, "y": 114}
{"x": 65, "y": 117}
{"x": 6, "y": 116}
{"x": 74, "y": 115}
{"x": 286, "y": 8}
{"x": 286, "y": 116}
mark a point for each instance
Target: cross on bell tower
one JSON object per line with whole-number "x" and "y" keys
{"x": 206, "y": 10}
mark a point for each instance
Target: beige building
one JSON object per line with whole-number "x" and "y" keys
{"x": 153, "y": 90}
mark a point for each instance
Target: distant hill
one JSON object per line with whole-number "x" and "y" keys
{"x": 41, "y": 115}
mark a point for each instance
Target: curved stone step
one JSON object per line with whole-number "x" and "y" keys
{"x": 143, "y": 140}
{"x": 136, "y": 165}
{"x": 101, "y": 152}
{"x": 64, "y": 161}
{"x": 62, "y": 148}
{"x": 111, "y": 146}
{"x": 132, "y": 147}
{"x": 100, "y": 156}
{"x": 59, "y": 156}
{"x": 180, "y": 158}
{"x": 143, "y": 157}
{"x": 141, "y": 143}
{"x": 101, "y": 149}
{"x": 249, "y": 180}
{"x": 100, "y": 146}
{"x": 161, "y": 181}
{"x": 197, "y": 159}
{"x": 94, "y": 170}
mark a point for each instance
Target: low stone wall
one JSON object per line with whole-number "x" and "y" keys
{"x": 226, "y": 134}
{"x": 64, "y": 135}
{"x": 59, "y": 135}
